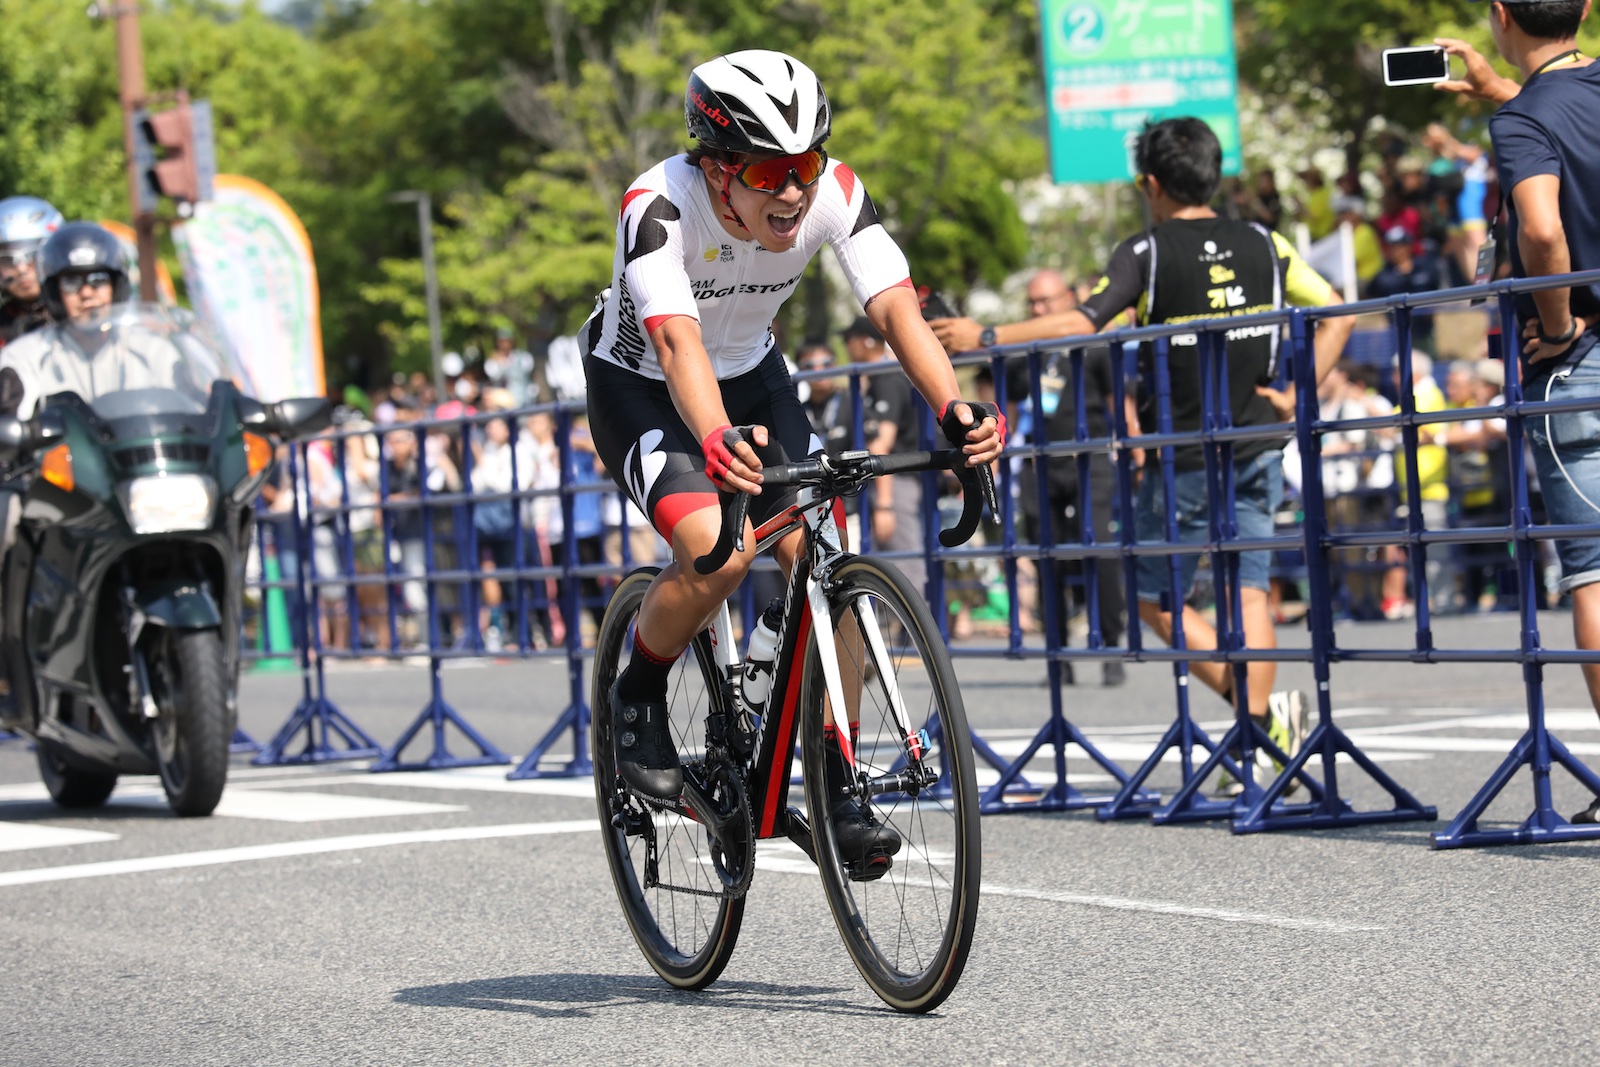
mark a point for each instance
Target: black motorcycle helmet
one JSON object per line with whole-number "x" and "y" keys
{"x": 78, "y": 248}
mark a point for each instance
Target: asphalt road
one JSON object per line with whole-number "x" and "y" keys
{"x": 329, "y": 916}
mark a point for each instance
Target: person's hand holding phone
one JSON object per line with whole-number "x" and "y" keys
{"x": 1482, "y": 81}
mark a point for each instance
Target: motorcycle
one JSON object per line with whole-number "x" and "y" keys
{"x": 123, "y": 590}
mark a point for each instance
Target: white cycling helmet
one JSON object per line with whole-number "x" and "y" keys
{"x": 756, "y": 101}
{"x": 26, "y": 222}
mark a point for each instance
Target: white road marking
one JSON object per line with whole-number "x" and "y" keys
{"x": 284, "y": 806}
{"x": 1160, "y": 907}
{"x": 17, "y": 836}
{"x": 475, "y": 779}
{"x": 284, "y": 849}
{"x": 1499, "y": 745}
{"x": 256, "y": 802}
{"x": 783, "y": 857}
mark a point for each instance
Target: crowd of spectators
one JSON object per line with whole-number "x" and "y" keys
{"x": 368, "y": 518}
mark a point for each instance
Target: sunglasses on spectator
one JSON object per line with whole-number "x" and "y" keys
{"x": 771, "y": 175}
{"x": 73, "y": 283}
{"x": 815, "y": 365}
{"x": 16, "y": 259}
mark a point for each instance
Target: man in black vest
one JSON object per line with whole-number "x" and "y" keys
{"x": 1195, "y": 265}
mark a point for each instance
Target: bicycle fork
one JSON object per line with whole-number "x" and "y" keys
{"x": 915, "y": 740}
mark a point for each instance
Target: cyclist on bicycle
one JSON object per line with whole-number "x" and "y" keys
{"x": 709, "y": 246}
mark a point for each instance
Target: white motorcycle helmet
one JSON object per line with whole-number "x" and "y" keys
{"x": 26, "y": 223}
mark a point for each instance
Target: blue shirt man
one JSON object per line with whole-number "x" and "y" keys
{"x": 1549, "y": 163}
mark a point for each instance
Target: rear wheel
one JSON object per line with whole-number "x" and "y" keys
{"x": 908, "y": 928}
{"x": 69, "y": 786}
{"x": 663, "y": 864}
{"x": 193, "y": 727}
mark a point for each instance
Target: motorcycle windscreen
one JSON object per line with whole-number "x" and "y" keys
{"x": 135, "y": 359}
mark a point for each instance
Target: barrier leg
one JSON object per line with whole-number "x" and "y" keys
{"x": 1261, "y": 809}
{"x": 1187, "y": 805}
{"x": 241, "y": 743}
{"x": 1537, "y": 750}
{"x": 1013, "y": 792}
{"x": 316, "y": 716}
{"x": 1183, "y": 735}
{"x": 330, "y": 735}
{"x": 438, "y": 714}
{"x": 574, "y": 717}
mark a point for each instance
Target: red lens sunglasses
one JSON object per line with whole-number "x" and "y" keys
{"x": 771, "y": 175}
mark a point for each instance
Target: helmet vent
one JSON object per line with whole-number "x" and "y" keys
{"x": 747, "y": 72}
{"x": 789, "y": 111}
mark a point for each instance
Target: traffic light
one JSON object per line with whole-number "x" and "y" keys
{"x": 175, "y": 154}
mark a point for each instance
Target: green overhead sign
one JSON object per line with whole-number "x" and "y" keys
{"x": 1112, "y": 65}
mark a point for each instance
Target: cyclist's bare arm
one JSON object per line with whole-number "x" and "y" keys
{"x": 697, "y": 396}
{"x": 897, "y": 315}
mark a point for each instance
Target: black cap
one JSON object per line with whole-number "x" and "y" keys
{"x": 862, "y": 327}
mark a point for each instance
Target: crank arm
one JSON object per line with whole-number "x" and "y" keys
{"x": 697, "y": 805}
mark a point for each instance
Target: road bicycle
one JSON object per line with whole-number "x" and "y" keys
{"x": 855, "y": 643}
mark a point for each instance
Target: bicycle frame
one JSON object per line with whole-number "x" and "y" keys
{"x": 822, "y": 515}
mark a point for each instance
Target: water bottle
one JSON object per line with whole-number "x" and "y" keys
{"x": 755, "y": 682}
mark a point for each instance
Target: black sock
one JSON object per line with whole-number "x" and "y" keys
{"x": 644, "y": 680}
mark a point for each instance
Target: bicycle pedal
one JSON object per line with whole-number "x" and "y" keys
{"x": 871, "y": 867}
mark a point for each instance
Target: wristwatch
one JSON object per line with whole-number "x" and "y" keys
{"x": 986, "y": 338}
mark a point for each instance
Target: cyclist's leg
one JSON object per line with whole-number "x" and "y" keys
{"x": 652, "y": 455}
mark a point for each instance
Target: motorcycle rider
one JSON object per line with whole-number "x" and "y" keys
{"x": 84, "y": 273}
{"x": 26, "y": 222}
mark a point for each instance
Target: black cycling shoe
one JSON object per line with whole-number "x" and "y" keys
{"x": 646, "y": 754}
{"x": 1591, "y": 814}
{"x": 865, "y": 844}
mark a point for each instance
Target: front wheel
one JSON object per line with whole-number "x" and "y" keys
{"x": 907, "y": 924}
{"x": 193, "y": 726}
{"x": 664, "y": 865}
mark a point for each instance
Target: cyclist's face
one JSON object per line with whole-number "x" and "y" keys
{"x": 772, "y": 218}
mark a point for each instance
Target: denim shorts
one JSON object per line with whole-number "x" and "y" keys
{"x": 1258, "y": 489}
{"x": 1566, "y": 451}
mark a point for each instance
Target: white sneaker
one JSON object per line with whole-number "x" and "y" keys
{"x": 1288, "y": 722}
{"x": 493, "y": 640}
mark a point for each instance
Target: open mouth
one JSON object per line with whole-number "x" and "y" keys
{"x": 783, "y": 225}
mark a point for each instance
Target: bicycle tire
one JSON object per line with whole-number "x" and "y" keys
{"x": 686, "y": 939}
{"x": 910, "y": 932}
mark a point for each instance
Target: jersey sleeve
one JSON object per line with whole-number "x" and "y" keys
{"x": 872, "y": 262}
{"x": 1302, "y": 286}
{"x": 1124, "y": 285}
{"x": 650, "y": 235}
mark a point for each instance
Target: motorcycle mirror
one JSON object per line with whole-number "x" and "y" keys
{"x": 302, "y": 416}
{"x": 14, "y": 439}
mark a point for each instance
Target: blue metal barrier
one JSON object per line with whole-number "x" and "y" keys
{"x": 451, "y": 576}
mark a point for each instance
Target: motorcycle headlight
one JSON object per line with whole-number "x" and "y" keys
{"x": 168, "y": 503}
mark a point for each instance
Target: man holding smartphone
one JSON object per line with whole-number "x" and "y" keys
{"x": 1549, "y": 163}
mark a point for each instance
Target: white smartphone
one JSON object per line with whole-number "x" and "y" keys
{"x": 1415, "y": 66}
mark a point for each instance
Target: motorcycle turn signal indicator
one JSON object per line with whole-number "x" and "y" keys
{"x": 55, "y": 467}
{"x": 257, "y": 452}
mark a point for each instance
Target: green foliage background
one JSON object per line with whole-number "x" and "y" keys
{"x": 525, "y": 122}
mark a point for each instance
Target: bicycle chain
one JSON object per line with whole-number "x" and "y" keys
{"x": 735, "y": 782}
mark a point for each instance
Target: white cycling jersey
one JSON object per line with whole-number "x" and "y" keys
{"x": 674, "y": 258}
